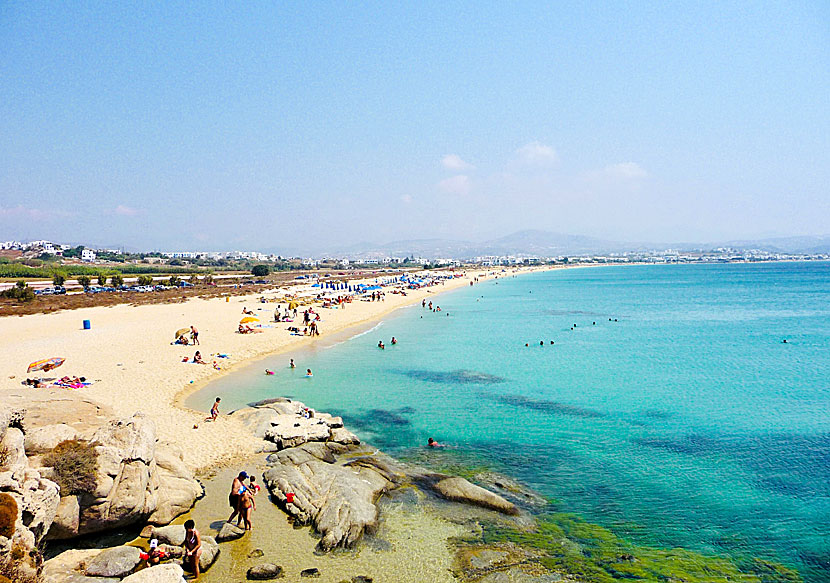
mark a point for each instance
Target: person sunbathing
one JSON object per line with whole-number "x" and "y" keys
{"x": 197, "y": 358}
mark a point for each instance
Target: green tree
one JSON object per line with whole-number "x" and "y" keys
{"x": 102, "y": 278}
{"x": 84, "y": 281}
{"x": 173, "y": 281}
{"x": 145, "y": 280}
{"x": 116, "y": 280}
{"x": 58, "y": 277}
{"x": 260, "y": 270}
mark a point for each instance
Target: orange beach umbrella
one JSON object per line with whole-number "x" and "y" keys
{"x": 248, "y": 319}
{"x": 46, "y": 364}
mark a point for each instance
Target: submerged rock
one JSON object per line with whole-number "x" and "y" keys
{"x": 313, "y": 572}
{"x": 264, "y": 571}
{"x": 460, "y": 490}
{"x": 230, "y": 532}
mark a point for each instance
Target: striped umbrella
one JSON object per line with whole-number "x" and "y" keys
{"x": 46, "y": 364}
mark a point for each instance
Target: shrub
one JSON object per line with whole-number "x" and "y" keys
{"x": 20, "y": 292}
{"x": 174, "y": 281}
{"x": 102, "y": 278}
{"x": 8, "y": 514}
{"x": 145, "y": 280}
{"x": 59, "y": 277}
{"x": 5, "y": 455}
{"x": 73, "y": 462}
{"x": 117, "y": 280}
{"x": 260, "y": 270}
{"x": 84, "y": 280}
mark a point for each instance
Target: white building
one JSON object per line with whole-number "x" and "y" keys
{"x": 87, "y": 255}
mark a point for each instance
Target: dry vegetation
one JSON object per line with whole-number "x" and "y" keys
{"x": 74, "y": 463}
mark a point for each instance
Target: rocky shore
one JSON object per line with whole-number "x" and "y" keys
{"x": 121, "y": 476}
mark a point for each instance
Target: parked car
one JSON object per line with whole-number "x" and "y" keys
{"x": 185, "y": 284}
{"x": 261, "y": 281}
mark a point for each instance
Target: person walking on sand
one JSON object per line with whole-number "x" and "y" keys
{"x": 192, "y": 547}
{"x": 214, "y": 411}
{"x": 194, "y": 335}
{"x": 234, "y": 498}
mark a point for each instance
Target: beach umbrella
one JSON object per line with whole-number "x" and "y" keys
{"x": 248, "y": 319}
{"x": 181, "y": 332}
{"x": 46, "y": 364}
{"x": 292, "y": 305}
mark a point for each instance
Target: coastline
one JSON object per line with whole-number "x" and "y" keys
{"x": 127, "y": 354}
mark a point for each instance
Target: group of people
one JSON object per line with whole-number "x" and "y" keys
{"x": 381, "y": 345}
{"x": 241, "y": 499}
{"x": 192, "y": 547}
{"x": 194, "y": 337}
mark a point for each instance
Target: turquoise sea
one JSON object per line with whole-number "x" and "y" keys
{"x": 668, "y": 408}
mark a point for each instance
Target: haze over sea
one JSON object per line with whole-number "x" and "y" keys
{"x": 672, "y": 413}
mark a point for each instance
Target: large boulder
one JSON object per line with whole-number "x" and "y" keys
{"x": 175, "y": 487}
{"x": 69, "y": 566}
{"x": 135, "y": 481}
{"x": 338, "y": 500}
{"x": 210, "y": 552}
{"x": 460, "y": 490}
{"x": 114, "y": 562}
{"x": 166, "y": 573}
{"x": 47, "y": 437}
{"x": 171, "y": 535}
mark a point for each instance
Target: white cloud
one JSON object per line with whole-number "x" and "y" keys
{"x": 537, "y": 154}
{"x": 406, "y": 198}
{"x": 626, "y": 170}
{"x": 126, "y": 211}
{"x": 459, "y": 184}
{"x": 455, "y": 163}
{"x": 32, "y": 213}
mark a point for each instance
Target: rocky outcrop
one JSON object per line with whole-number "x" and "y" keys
{"x": 281, "y": 422}
{"x": 69, "y": 566}
{"x": 171, "y": 535}
{"x": 28, "y": 502}
{"x": 338, "y": 499}
{"x": 114, "y": 562}
{"x": 47, "y": 437}
{"x": 135, "y": 481}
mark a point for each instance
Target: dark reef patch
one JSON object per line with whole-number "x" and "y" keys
{"x": 458, "y": 377}
{"x": 547, "y": 406}
{"x": 790, "y": 464}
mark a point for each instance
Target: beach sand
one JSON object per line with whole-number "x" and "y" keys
{"x": 128, "y": 355}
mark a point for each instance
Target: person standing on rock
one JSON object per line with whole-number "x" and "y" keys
{"x": 192, "y": 547}
{"x": 234, "y": 497}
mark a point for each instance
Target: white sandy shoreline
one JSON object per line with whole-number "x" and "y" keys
{"x": 128, "y": 355}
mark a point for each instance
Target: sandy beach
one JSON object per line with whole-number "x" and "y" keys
{"x": 128, "y": 355}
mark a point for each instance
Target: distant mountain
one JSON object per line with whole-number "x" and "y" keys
{"x": 784, "y": 244}
{"x": 546, "y": 243}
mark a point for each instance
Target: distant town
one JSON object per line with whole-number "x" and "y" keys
{"x": 34, "y": 253}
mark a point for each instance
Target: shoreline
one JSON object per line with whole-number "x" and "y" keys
{"x": 127, "y": 354}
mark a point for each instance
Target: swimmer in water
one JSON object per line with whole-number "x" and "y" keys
{"x": 268, "y": 372}
{"x": 551, "y": 341}
{"x": 380, "y": 344}
{"x": 291, "y": 364}
{"x": 394, "y": 340}
{"x": 541, "y": 343}
{"x": 308, "y": 372}
{"x": 784, "y": 341}
{"x": 432, "y": 443}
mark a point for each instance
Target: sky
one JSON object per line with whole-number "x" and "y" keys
{"x": 173, "y": 126}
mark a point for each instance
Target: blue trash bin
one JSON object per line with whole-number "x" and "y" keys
{"x": 87, "y": 324}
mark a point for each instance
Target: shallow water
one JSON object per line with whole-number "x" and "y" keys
{"x": 409, "y": 532}
{"x": 671, "y": 413}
